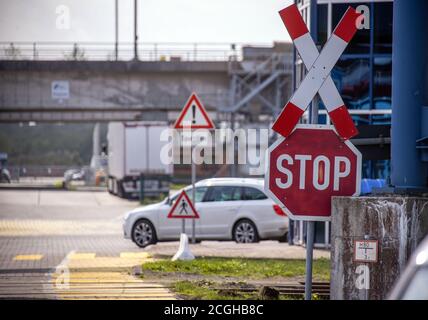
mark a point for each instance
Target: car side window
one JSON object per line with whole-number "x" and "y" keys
{"x": 238, "y": 193}
{"x": 253, "y": 194}
{"x": 222, "y": 193}
{"x": 199, "y": 194}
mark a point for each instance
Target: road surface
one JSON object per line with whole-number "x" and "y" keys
{"x": 69, "y": 244}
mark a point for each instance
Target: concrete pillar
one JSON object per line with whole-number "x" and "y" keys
{"x": 96, "y": 140}
{"x": 96, "y": 148}
{"x": 398, "y": 224}
{"x": 409, "y": 92}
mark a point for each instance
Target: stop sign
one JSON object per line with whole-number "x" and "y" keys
{"x": 309, "y": 167}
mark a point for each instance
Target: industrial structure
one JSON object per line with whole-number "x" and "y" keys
{"x": 382, "y": 79}
{"x": 78, "y": 83}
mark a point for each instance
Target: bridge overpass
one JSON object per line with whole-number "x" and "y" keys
{"x": 61, "y": 86}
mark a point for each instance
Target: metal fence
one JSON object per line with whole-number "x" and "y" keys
{"x": 123, "y": 51}
{"x": 36, "y": 172}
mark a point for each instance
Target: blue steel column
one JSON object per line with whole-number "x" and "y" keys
{"x": 409, "y": 61}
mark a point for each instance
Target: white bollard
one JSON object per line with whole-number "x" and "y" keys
{"x": 183, "y": 252}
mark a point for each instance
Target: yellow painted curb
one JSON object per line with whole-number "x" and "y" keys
{"x": 134, "y": 255}
{"x": 28, "y": 257}
{"x": 75, "y": 256}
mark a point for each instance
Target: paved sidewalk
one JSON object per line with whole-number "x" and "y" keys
{"x": 263, "y": 249}
{"x": 84, "y": 276}
{"x": 108, "y": 286}
{"x": 38, "y": 229}
{"x": 69, "y": 245}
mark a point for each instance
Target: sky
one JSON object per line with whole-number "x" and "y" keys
{"x": 184, "y": 21}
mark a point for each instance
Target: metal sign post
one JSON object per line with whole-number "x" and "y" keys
{"x": 317, "y": 80}
{"x": 310, "y": 231}
{"x": 193, "y": 116}
{"x": 310, "y": 225}
{"x": 193, "y": 195}
{"x": 183, "y": 209}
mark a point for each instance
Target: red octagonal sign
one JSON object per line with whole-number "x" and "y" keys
{"x": 309, "y": 167}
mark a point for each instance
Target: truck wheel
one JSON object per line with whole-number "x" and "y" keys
{"x": 110, "y": 185}
{"x": 143, "y": 233}
{"x": 245, "y": 232}
{"x": 119, "y": 188}
{"x": 5, "y": 177}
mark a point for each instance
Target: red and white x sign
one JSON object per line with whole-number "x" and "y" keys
{"x": 318, "y": 78}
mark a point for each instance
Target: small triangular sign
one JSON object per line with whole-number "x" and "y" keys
{"x": 183, "y": 208}
{"x": 193, "y": 116}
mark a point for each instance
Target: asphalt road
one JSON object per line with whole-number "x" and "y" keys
{"x": 43, "y": 233}
{"x": 55, "y": 223}
{"x": 68, "y": 245}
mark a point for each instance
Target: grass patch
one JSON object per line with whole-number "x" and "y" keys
{"x": 245, "y": 268}
{"x": 207, "y": 290}
{"x": 58, "y": 184}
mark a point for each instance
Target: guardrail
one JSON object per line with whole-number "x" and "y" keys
{"x": 36, "y": 173}
{"x": 107, "y": 51}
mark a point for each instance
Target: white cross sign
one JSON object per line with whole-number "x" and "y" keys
{"x": 318, "y": 78}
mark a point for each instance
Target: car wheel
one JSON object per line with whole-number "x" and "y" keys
{"x": 245, "y": 232}
{"x": 143, "y": 233}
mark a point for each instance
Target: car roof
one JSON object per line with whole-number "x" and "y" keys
{"x": 248, "y": 182}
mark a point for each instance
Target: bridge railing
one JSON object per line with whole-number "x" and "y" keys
{"x": 104, "y": 51}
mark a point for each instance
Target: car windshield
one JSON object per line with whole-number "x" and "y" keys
{"x": 417, "y": 288}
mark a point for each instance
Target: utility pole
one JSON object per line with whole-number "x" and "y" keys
{"x": 116, "y": 43}
{"x": 135, "y": 30}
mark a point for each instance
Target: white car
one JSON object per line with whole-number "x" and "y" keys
{"x": 413, "y": 282}
{"x": 229, "y": 209}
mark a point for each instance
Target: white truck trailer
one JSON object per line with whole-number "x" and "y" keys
{"x": 134, "y": 152}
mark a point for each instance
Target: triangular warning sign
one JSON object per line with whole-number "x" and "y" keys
{"x": 193, "y": 116}
{"x": 183, "y": 208}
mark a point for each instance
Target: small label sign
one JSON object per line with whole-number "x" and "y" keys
{"x": 365, "y": 250}
{"x": 60, "y": 90}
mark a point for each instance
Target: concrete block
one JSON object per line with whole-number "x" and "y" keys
{"x": 399, "y": 223}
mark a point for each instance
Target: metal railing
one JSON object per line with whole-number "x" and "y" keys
{"x": 36, "y": 173}
{"x": 108, "y": 51}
